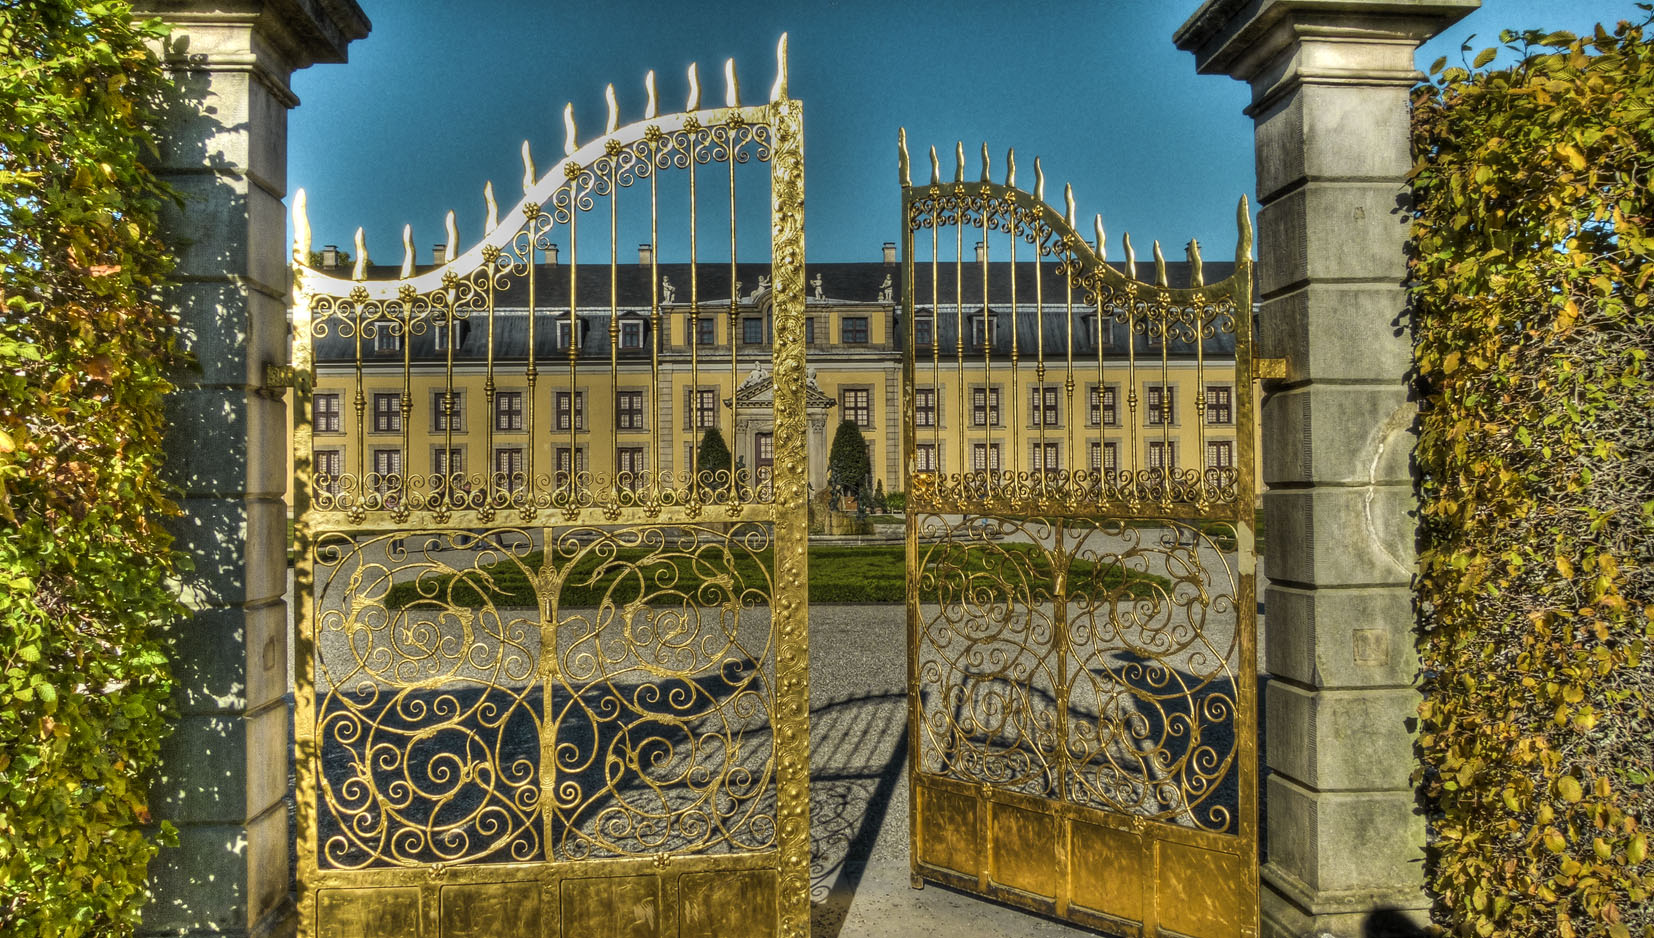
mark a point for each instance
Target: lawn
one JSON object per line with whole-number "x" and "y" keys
{"x": 873, "y": 573}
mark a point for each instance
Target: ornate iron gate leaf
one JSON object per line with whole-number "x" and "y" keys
{"x": 563, "y": 693}
{"x": 1081, "y": 635}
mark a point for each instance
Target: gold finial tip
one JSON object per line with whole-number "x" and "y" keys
{"x": 652, "y": 107}
{"x": 301, "y": 227}
{"x": 569, "y": 143}
{"x": 732, "y": 87}
{"x": 778, "y": 91}
{"x": 694, "y": 102}
{"x": 614, "y": 110}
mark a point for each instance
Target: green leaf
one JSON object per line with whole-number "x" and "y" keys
{"x": 1483, "y": 57}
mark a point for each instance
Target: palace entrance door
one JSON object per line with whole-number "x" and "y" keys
{"x": 1080, "y": 509}
{"x": 551, "y": 672}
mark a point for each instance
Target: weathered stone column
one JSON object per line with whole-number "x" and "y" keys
{"x": 1330, "y": 82}
{"x": 225, "y": 768}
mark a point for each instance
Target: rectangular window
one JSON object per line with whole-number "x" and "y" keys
{"x": 981, "y": 331}
{"x": 856, "y": 406}
{"x": 1162, "y": 454}
{"x": 809, "y": 330}
{"x": 1220, "y": 404}
{"x": 705, "y": 331}
{"x": 1105, "y": 457}
{"x": 1220, "y": 454}
{"x": 563, "y": 464}
{"x": 924, "y": 407}
{"x": 700, "y": 410}
{"x": 924, "y": 332}
{"x": 565, "y": 419}
{"x": 629, "y": 410}
{"x": 387, "y": 462}
{"x": 508, "y": 468}
{"x": 563, "y": 332}
{"x": 752, "y": 331}
{"x": 385, "y": 339}
{"x": 327, "y": 464}
{"x": 445, "y": 461}
{"x": 1045, "y": 457}
{"x": 1105, "y": 410}
{"x": 508, "y": 410}
{"x": 631, "y": 334}
{"x": 1162, "y": 404}
{"x": 984, "y": 407}
{"x": 1044, "y": 405}
{"x": 324, "y": 413}
{"x": 447, "y": 411}
{"x": 924, "y": 457}
{"x": 985, "y": 457}
{"x": 854, "y": 330}
{"x": 439, "y": 336}
{"x": 629, "y": 462}
{"x": 387, "y": 413}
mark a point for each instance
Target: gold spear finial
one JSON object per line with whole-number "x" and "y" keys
{"x": 1243, "y": 247}
{"x": 1039, "y": 181}
{"x": 407, "y": 252}
{"x": 1102, "y": 240}
{"x": 935, "y": 168}
{"x": 694, "y": 102}
{"x": 1068, "y": 204}
{"x": 360, "y": 271}
{"x": 732, "y": 87}
{"x": 1197, "y": 276}
{"x": 1010, "y": 168}
{"x": 451, "y": 249}
{"x": 778, "y": 91}
{"x": 528, "y": 168}
{"x": 613, "y": 123}
{"x": 1160, "y": 267}
{"x": 1131, "y": 256}
{"x": 651, "y": 108}
{"x": 985, "y": 177}
{"x": 570, "y": 144}
{"x": 901, "y": 157}
{"x": 959, "y": 161}
{"x": 493, "y": 207}
{"x": 301, "y": 229}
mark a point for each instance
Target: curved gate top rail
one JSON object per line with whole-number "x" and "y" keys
{"x": 1081, "y": 636}
{"x": 551, "y": 660}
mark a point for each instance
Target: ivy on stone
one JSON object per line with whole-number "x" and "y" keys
{"x": 1532, "y": 256}
{"x": 84, "y": 560}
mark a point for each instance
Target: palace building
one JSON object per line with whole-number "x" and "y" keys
{"x": 598, "y": 381}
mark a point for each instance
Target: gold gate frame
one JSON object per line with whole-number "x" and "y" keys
{"x": 1012, "y": 648}
{"x": 760, "y": 887}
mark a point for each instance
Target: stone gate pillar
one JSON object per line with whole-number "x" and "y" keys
{"x": 1330, "y": 82}
{"x": 224, "y": 146}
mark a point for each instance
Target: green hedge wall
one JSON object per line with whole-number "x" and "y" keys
{"x": 84, "y": 563}
{"x": 1531, "y": 279}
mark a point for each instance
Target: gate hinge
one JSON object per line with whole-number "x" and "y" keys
{"x": 280, "y": 376}
{"x": 1266, "y": 369}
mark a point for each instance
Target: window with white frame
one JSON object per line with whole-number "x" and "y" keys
{"x": 629, "y": 410}
{"x": 1162, "y": 404}
{"x": 985, "y": 407}
{"x": 324, "y": 413}
{"x": 387, "y": 413}
{"x": 1220, "y": 404}
{"x": 447, "y": 411}
{"x": 1104, "y": 405}
{"x": 1162, "y": 454}
{"x": 1044, "y": 405}
{"x": 571, "y": 410}
{"x": 924, "y": 407}
{"x": 508, "y": 410}
{"x": 985, "y": 457}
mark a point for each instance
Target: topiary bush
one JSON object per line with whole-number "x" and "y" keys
{"x": 84, "y": 562}
{"x": 847, "y": 459}
{"x": 1531, "y": 276}
{"x": 712, "y": 459}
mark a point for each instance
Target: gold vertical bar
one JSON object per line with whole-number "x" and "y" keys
{"x": 614, "y": 322}
{"x": 1039, "y": 353}
{"x": 1072, "y": 416}
{"x": 531, "y": 369}
{"x": 734, "y": 315}
{"x": 1167, "y": 409}
{"x": 661, "y": 437}
{"x": 574, "y": 341}
{"x": 1104, "y": 481}
{"x": 693, "y": 323}
{"x": 910, "y": 525}
{"x": 1009, "y": 409}
{"x": 306, "y": 756}
{"x": 405, "y": 501}
{"x": 792, "y": 480}
{"x": 489, "y": 389}
{"x": 959, "y": 343}
{"x": 451, "y": 480}
{"x": 1131, "y": 387}
{"x": 1202, "y": 488}
{"x": 935, "y": 350}
{"x": 989, "y": 413}
{"x": 361, "y": 403}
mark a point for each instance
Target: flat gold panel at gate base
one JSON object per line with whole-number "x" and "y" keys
{"x": 536, "y": 698}
{"x": 1081, "y": 631}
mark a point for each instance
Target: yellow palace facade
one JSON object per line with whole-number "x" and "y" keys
{"x": 624, "y": 383}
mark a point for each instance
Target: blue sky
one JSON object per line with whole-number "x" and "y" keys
{"x": 439, "y": 98}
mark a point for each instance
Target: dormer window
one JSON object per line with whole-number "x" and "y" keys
{"x": 563, "y": 333}
{"x": 924, "y": 331}
{"x": 386, "y": 341}
{"x": 631, "y": 334}
{"x": 981, "y": 330}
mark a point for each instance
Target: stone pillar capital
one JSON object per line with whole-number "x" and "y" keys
{"x": 1280, "y": 45}
{"x": 270, "y": 39}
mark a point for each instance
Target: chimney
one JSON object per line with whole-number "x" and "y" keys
{"x": 330, "y": 256}
{"x": 645, "y": 254}
{"x": 890, "y": 252}
{"x": 551, "y": 254}
{"x": 981, "y": 251}
{"x": 437, "y": 252}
